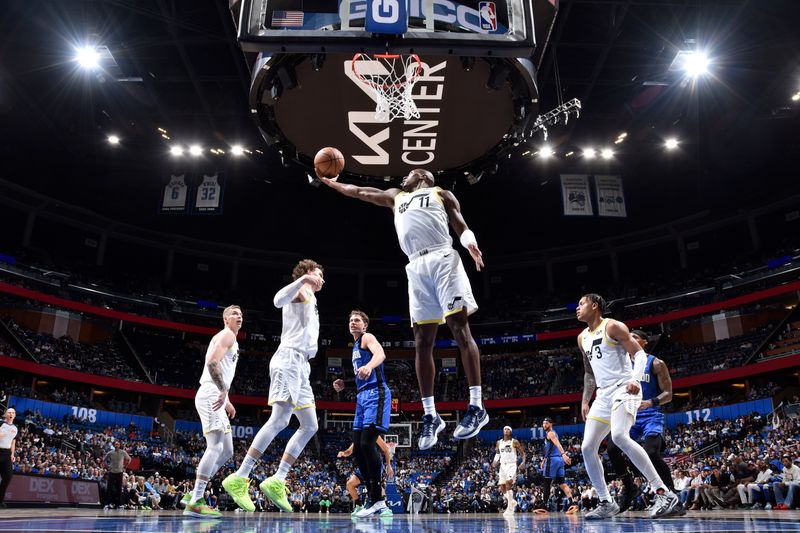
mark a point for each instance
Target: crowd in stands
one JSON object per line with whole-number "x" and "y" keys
{"x": 103, "y": 359}
{"x": 726, "y": 462}
{"x": 785, "y": 343}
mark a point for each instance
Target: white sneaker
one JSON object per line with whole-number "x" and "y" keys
{"x": 431, "y": 427}
{"x": 376, "y": 507}
{"x": 606, "y": 509}
{"x": 665, "y": 504}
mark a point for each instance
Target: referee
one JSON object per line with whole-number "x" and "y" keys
{"x": 8, "y": 439}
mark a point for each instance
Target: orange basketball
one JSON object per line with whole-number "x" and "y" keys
{"x": 329, "y": 162}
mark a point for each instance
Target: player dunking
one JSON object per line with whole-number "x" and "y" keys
{"x": 438, "y": 288}
{"x": 649, "y": 426}
{"x": 373, "y": 409}
{"x": 506, "y": 456}
{"x": 605, "y": 345}
{"x": 553, "y": 464}
{"x": 214, "y": 407}
{"x": 289, "y": 388}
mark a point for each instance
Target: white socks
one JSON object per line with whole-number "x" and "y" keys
{"x": 428, "y": 406}
{"x": 283, "y": 469}
{"x": 475, "y": 396}
{"x": 199, "y": 489}
{"x": 247, "y": 466}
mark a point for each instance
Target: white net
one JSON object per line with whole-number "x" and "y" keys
{"x": 391, "y": 78}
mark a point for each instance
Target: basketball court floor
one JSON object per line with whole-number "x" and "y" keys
{"x": 71, "y": 520}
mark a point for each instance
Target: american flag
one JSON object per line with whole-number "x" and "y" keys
{"x": 287, "y": 18}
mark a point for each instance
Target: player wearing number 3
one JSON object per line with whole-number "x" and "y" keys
{"x": 605, "y": 345}
{"x": 438, "y": 288}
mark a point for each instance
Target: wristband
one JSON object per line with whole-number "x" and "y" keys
{"x": 467, "y": 238}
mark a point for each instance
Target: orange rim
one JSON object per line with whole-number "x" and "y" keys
{"x": 360, "y": 56}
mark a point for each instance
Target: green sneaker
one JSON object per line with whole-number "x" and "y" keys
{"x": 186, "y": 500}
{"x": 201, "y": 510}
{"x": 357, "y": 509}
{"x": 385, "y": 512}
{"x": 238, "y": 487}
{"x": 275, "y": 489}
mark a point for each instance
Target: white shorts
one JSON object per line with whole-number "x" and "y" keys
{"x": 438, "y": 287}
{"x": 210, "y": 419}
{"x": 508, "y": 472}
{"x": 289, "y": 373}
{"x": 610, "y": 399}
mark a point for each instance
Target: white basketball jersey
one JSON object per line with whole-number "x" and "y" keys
{"x": 227, "y": 365}
{"x": 507, "y": 451}
{"x": 610, "y": 362}
{"x": 421, "y": 220}
{"x": 301, "y": 327}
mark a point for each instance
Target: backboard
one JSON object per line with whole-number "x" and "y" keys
{"x": 477, "y": 95}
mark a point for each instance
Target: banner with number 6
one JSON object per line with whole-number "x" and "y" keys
{"x": 175, "y": 195}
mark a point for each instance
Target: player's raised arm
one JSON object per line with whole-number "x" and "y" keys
{"x": 366, "y": 194}
{"x": 465, "y": 235}
{"x": 293, "y": 291}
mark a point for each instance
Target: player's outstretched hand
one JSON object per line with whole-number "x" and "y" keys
{"x": 330, "y": 182}
{"x": 389, "y": 473}
{"x": 477, "y": 256}
{"x": 633, "y": 387}
{"x": 230, "y": 409}
{"x": 338, "y": 385}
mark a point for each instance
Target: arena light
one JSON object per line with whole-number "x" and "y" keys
{"x": 696, "y": 64}
{"x": 88, "y": 57}
{"x": 113, "y": 139}
{"x": 237, "y": 150}
{"x": 589, "y": 153}
{"x": 607, "y": 153}
{"x": 796, "y": 96}
{"x": 545, "y": 152}
{"x": 176, "y": 150}
{"x": 671, "y": 143}
{"x": 195, "y": 150}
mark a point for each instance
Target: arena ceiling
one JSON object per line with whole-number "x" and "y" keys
{"x": 175, "y": 65}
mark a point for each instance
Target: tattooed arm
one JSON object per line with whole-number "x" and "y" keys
{"x": 589, "y": 383}
{"x": 220, "y": 344}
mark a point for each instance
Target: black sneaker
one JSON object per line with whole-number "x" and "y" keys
{"x": 471, "y": 424}
{"x": 628, "y": 496}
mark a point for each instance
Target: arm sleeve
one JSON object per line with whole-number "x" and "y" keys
{"x": 285, "y": 296}
{"x": 639, "y": 362}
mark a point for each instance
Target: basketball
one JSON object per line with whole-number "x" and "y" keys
{"x": 329, "y": 162}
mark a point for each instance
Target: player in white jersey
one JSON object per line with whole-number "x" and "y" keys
{"x": 289, "y": 389}
{"x": 605, "y": 345}
{"x": 438, "y": 288}
{"x": 214, "y": 407}
{"x": 506, "y": 456}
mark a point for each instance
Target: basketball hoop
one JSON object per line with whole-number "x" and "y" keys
{"x": 391, "y": 78}
{"x": 392, "y": 448}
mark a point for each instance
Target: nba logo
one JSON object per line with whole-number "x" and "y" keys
{"x": 488, "y": 15}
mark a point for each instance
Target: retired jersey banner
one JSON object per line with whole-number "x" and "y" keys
{"x": 610, "y": 197}
{"x": 176, "y": 193}
{"x": 208, "y": 195}
{"x": 575, "y": 194}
